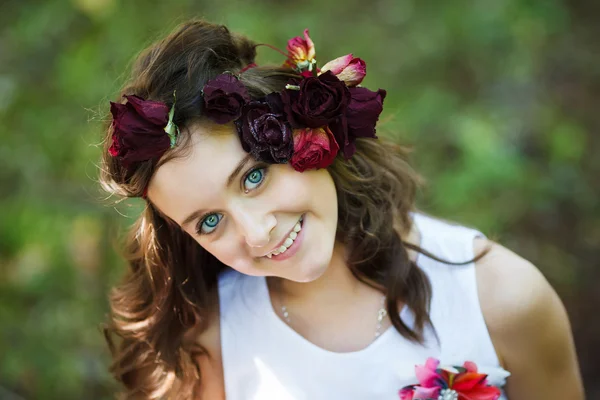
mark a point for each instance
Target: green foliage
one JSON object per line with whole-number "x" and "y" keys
{"x": 496, "y": 97}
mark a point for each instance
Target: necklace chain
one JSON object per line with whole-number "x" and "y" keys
{"x": 381, "y": 314}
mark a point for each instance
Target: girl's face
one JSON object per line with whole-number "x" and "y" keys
{"x": 244, "y": 212}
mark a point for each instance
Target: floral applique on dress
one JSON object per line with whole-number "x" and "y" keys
{"x": 449, "y": 383}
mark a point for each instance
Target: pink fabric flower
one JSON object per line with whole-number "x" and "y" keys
{"x": 347, "y": 68}
{"x": 313, "y": 148}
{"x": 466, "y": 382}
{"x": 300, "y": 51}
{"x": 418, "y": 393}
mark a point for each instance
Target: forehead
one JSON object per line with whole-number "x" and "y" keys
{"x": 194, "y": 180}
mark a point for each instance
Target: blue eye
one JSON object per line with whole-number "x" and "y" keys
{"x": 254, "y": 178}
{"x": 209, "y": 223}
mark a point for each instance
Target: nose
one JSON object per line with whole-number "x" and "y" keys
{"x": 255, "y": 225}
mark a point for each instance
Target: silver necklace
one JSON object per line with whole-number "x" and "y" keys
{"x": 381, "y": 314}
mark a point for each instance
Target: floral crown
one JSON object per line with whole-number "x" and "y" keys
{"x": 307, "y": 124}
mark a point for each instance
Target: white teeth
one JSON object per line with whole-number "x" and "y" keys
{"x": 288, "y": 241}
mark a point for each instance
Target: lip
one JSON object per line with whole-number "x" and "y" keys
{"x": 293, "y": 248}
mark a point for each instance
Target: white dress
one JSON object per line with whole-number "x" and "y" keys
{"x": 263, "y": 358}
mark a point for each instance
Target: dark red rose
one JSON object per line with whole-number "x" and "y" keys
{"x": 139, "y": 130}
{"x": 224, "y": 98}
{"x": 313, "y": 148}
{"x": 264, "y": 131}
{"x": 363, "y": 111}
{"x": 319, "y": 101}
{"x": 360, "y": 118}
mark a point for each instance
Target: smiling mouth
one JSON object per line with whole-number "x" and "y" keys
{"x": 289, "y": 240}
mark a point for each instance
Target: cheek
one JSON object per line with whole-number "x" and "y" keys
{"x": 313, "y": 190}
{"x": 221, "y": 249}
{"x": 230, "y": 253}
{"x": 319, "y": 192}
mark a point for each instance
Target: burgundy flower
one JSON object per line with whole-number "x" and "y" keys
{"x": 224, "y": 98}
{"x": 139, "y": 130}
{"x": 319, "y": 101}
{"x": 313, "y": 148}
{"x": 264, "y": 131}
{"x": 360, "y": 118}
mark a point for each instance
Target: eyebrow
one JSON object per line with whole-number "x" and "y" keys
{"x": 230, "y": 179}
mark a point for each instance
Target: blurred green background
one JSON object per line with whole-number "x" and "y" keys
{"x": 499, "y": 98}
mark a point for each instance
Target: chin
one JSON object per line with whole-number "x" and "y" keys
{"x": 311, "y": 273}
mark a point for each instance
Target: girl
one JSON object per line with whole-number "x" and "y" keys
{"x": 280, "y": 255}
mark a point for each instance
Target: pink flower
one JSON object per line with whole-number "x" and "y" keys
{"x": 464, "y": 381}
{"x": 301, "y": 51}
{"x": 347, "y": 68}
{"x": 418, "y": 393}
{"x": 313, "y": 148}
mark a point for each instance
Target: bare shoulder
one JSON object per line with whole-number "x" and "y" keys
{"x": 510, "y": 287}
{"x": 528, "y": 325}
{"x": 211, "y": 385}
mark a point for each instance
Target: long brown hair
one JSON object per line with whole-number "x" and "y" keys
{"x": 170, "y": 288}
